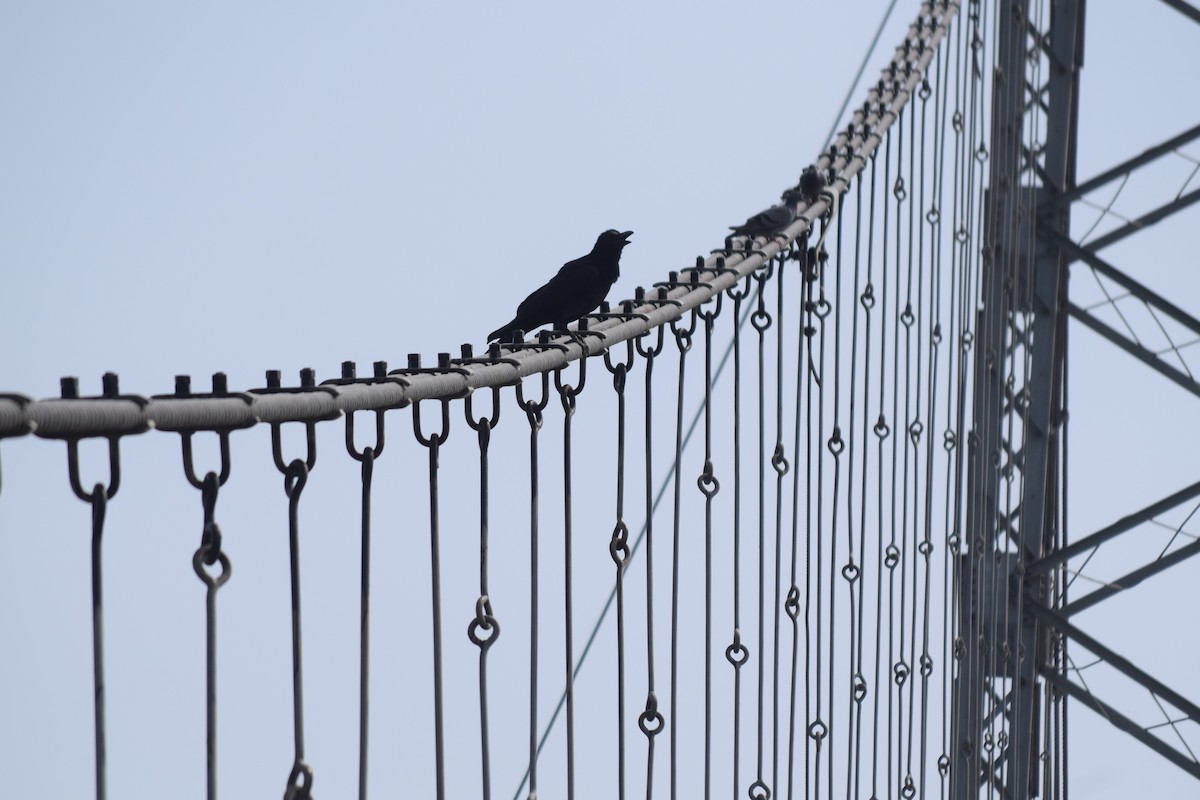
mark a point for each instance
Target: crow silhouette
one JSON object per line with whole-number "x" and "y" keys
{"x": 774, "y": 219}
{"x": 577, "y": 289}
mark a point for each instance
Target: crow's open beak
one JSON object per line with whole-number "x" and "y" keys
{"x": 625, "y": 235}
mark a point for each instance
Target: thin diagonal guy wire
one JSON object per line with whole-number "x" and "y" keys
{"x": 637, "y": 544}
{"x": 1105, "y": 210}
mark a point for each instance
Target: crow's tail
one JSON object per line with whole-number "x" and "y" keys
{"x": 503, "y": 333}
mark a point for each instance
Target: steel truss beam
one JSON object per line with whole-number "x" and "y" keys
{"x": 1119, "y": 527}
{"x": 1011, "y": 770}
{"x": 1024, "y": 291}
{"x": 1152, "y": 299}
{"x": 1034, "y": 575}
{"x": 1136, "y": 350}
{"x": 1129, "y": 284}
{"x": 1126, "y": 167}
{"x": 1128, "y": 669}
{"x": 1146, "y": 220}
{"x": 1058, "y": 621}
{"x": 1119, "y": 720}
{"x": 1131, "y": 579}
{"x": 1188, "y": 10}
{"x": 1125, "y": 524}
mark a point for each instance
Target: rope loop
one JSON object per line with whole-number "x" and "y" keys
{"x": 792, "y": 604}
{"x": 778, "y": 461}
{"x": 295, "y": 477}
{"x": 859, "y": 689}
{"x": 533, "y": 409}
{"x": 210, "y": 537}
{"x": 299, "y": 782}
{"x": 618, "y": 546}
{"x": 114, "y": 471}
{"x": 189, "y": 469}
{"x": 868, "y": 296}
{"x": 433, "y": 440}
{"x": 881, "y": 427}
{"x": 482, "y": 423}
{"x": 650, "y": 721}
{"x": 708, "y": 483}
{"x": 484, "y": 621}
{"x": 759, "y": 791}
{"x": 836, "y": 443}
{"x": 737, "y": 653}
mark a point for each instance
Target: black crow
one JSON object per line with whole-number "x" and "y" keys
{"x": 577, "y": 289}
{"x": 773, "y": 220}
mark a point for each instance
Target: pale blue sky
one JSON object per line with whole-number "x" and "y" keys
{"x": 279, "y": 185}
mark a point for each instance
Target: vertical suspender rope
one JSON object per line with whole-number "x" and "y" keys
{"x": 433, "y": 442}
{"x": 568, "y": 395}
{"x": 484, "y": 629}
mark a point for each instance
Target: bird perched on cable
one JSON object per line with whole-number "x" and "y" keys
{"x": 774, "y": 219}
{"x": 578, "y": 289}
{"x": 812, "y": 183}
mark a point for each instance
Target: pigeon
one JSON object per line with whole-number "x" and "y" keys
{"x": 773, "y": 220}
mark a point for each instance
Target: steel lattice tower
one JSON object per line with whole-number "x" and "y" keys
{"x": 1011, "y": 649}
